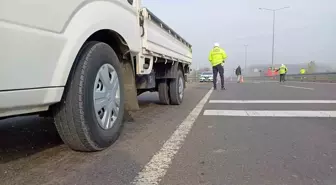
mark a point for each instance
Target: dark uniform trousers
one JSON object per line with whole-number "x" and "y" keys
{"x": 218, "y": 69}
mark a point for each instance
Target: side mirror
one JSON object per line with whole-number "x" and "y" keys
{"x": 190, "y": 70}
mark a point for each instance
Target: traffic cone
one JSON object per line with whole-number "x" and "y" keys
{"x": 242, "y": 79}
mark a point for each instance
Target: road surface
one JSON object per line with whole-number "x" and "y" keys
{"x": 252, "y": 133}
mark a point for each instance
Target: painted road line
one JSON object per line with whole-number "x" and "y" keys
{"x": 297, "y": 87}
{"x": 273, "y": 101}
{"x": 279, "y": 113}
{"x": 157, "y": 167}
{"x": 327, "y": 83}
{"x": 298, "y": 82}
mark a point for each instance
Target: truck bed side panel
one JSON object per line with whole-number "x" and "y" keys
{"x": 163, "y": 40}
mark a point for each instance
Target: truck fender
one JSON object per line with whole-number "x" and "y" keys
{"x": 92, "y": 17}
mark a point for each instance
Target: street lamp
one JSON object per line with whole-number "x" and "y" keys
{"x": 245, "y": 58}
{"x": 273, "y": 10}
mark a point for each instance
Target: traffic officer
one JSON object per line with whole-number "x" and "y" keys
{"x": 302, "y": 71}
{"x": 282, "y": 71}
{"x": 217, "y": 58}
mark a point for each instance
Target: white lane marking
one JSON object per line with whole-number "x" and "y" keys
{"x": 270, "y": 81}
{"x": 278, "y": 113}
{"x": 272, "y": 101}
{"x": 297, "y": 87}
{"x": 157, "y": 167}
{"x": 329, "y": 83}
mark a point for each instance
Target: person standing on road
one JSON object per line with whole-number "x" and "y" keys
{"x": 302, "y": 71}
{"x": 217, "y": 58}
{"x": 282, "y": 71}
{"x": 238, "y": 73}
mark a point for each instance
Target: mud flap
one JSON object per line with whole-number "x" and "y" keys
{"x": 131, "y": 100}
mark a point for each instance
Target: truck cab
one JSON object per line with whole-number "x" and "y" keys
{"x": 85, "y": 62}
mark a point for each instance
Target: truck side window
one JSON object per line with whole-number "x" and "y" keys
{"x": 130, "y": 2}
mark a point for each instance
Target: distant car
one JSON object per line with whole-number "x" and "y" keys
{"x": 206, "y": 77}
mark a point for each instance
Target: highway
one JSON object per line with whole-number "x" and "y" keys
{"x": 254, "y": 133}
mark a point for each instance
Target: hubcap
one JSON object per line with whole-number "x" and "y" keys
{"x": 106, "y": 96}
{"x": 181, "y": 87}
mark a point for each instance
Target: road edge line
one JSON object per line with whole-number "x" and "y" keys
{"x": 157, "y": 167}
{"x": 272, "y": 113}
{"x": 298, "y": 87}
{"x": 272, "y": 101}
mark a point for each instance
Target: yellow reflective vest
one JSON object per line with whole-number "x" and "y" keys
{"x": 302, "y": 71}
{"x": 217, "y": 56}
{"x": 282, "y": 69}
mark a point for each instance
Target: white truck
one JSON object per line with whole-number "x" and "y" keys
{"x": 85, "y": 62}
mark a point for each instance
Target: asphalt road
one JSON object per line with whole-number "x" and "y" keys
{"x": 204, "y": 141}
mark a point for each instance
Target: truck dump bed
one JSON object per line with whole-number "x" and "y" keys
{"x": 163, "y": 41}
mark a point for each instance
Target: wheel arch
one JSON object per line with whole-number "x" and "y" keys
{"x": 118, "y": 43}
{"x": 91, "y": 19}
{"x": 115, "y": 41}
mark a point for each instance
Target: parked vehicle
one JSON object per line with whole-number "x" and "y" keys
{"x": 206, "y": 77}
{"x": 85, "y": 62}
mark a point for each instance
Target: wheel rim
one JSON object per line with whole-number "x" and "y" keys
{"x": 181, "y": 87}
{"x": 106, "y": 96}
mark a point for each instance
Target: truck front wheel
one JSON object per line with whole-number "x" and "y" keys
{"x": 176, "y": 89}
{"x": 90, "y": 115}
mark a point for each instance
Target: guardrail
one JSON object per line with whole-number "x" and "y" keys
{"x": 314, "y": 77}
{"x": 192, "y": 79}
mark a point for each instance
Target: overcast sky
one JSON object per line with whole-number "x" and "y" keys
{"x": 306, "y": 31}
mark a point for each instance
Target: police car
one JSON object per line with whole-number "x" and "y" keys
{"x": 206, "y": 77}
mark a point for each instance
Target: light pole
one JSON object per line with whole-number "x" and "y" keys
{"x": 273, "y": 10}
{"x": 196, "y": 71}
{"x": 245, "y": 72}
{"x": 233, "y": 74}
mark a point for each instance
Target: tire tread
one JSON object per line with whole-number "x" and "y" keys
{"x": 163, "y": 90}
{"x": 76, "y": 136}
{"x": 173, "y": 89}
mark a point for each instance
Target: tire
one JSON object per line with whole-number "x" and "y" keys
{"x": 176, "y": 91}
{"x": 76, "y": 119}
{"x": 163, "y": 90}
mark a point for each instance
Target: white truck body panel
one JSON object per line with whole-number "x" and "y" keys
{"x": 49, "y": 15}
{"x": 44, "y": 58}
{"x": 39, "y": 41}
{"x": 162, "y": 40}
{"x": 28, "y": 56}
{"x": 40, "y": 14}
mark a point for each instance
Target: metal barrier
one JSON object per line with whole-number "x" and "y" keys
{"x": 314, "y": 77}
{"x": 192, "y": 79}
